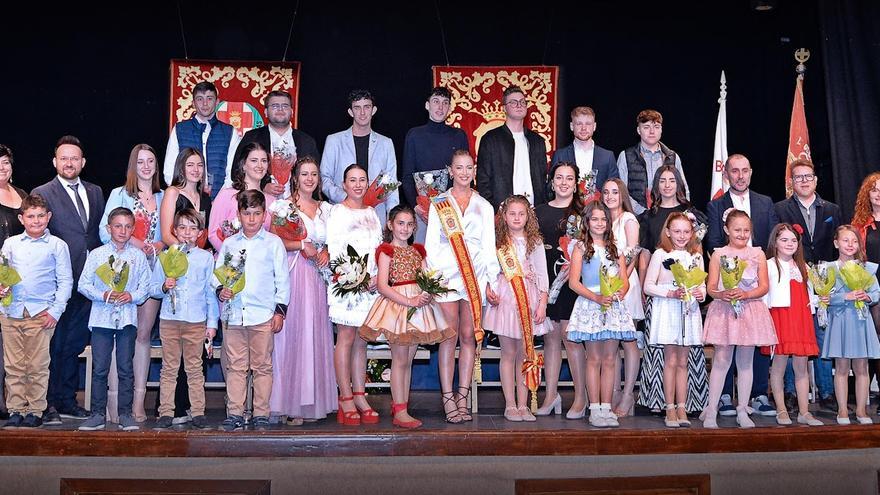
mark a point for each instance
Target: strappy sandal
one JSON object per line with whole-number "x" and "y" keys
{"x": 350, "y": 418}
{"x": 453, "y": 416}
{"x": 368, "y": 416}
{"x": 463, "y": 410}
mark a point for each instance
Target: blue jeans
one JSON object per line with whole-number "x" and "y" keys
{"x": 102, "y": 348}
{"x": 821, "y": 369}
{"x": 69, "y": 341}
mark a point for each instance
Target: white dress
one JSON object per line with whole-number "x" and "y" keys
{"x": 672, "y": 320}
{"x": 478, "y": 223}
{"x": 361, "y": 230}
{"x": 633, "y": 298}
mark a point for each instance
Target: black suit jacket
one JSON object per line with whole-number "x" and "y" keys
{"x": 66, "y": 224}
{"x": 495, "y": 165}
{"x": 819, "y": 246}
{"x": 763, "y": 220}
{"x": 304, "y": 143}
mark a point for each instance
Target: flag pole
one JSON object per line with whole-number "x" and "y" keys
{"x": 798, "y": 133}
{"x": 719, "y": 156}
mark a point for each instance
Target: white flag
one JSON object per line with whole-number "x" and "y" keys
{"x": 719, "y": 181}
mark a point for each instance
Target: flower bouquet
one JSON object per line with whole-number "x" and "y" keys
{"x": 857, "y": 278}
{"x": 143, "y": 226}
{"x": 562, "y": 267}
{"x": 822, "y": 276}
{"x": 8, "y": 277}
{"x": 350, "y": 275}
{"x": 379, "y": 190}
{"x": 228, "y": 228}
{"x": 430, "y": 281}
{"x": 688, "y": 278}
{"x": 286, "y": 220}
{"x": 609, "y": 281}
{"x": 732, "y": 270}
{"x": 697, "y": 223}
{"x": 175, "y": 264}
{"x": 587, "y": 186}
{"x": 114, "y": 273}
{"x": 280, "y": 168}
{"x": 430, "y": 184}
{"x": 231, "y": 276}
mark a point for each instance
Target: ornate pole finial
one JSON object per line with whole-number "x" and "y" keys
{"x": 801, "y": 55}
{"x": 723, "y": 89}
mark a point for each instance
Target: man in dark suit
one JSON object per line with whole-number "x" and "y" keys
{"x": 279, "y": 138}
{"x": 583, "y": 151}
{"x": 763, "y": 215}
{"x": 76, "y": 207}
{"x": 512, "y": 159}
{"x": 818, "y": 220}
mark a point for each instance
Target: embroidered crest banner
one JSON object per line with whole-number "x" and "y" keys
{"x": 476, "y": 98}
{"x": 241, "y": 84}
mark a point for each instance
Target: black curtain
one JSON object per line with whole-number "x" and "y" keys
{"x": 851, "y": 46}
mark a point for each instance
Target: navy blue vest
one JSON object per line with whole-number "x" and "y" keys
{"x": 189, "y": 135}
{"x": 637, "y": 171}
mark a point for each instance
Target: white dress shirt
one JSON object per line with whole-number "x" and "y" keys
{"x": 583, "y": 157}
{"x": 79, "y": 190}
{"x": 522, "y": 168}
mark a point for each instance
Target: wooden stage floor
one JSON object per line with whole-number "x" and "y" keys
{"x": 488, "y": 435}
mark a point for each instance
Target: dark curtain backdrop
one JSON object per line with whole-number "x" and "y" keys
{"x": 102, "y": 74}
{"x": 851, "y": 43}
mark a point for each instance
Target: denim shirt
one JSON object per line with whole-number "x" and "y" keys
{"x": 108, "y": 315}
{"x": 46, "y": 276}
{"x": 196, "y": 300}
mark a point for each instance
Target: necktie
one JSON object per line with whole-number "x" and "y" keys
{"x": 80, "y": 206}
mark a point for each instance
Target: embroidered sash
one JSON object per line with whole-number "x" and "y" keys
{"x": 451, "y": 225}
{"x": 533, "y": 362}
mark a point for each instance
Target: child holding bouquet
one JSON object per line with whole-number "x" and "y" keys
{"x": 116, "y": 278}
{"x": 404, "y": 312}
{"x": 738, "y": 318}
{"x": 598, "y": 317}
{"x": 521, "y": 310}
{"x": 353, "y": 234}
{"x": 851, "y": 338}
{"x": 31, "y": 309}
{"x": 253, "y": 283}
{"x": 676, "y": 281}
{"x": 790, "y": 309}
{"x": 182, "y": 279}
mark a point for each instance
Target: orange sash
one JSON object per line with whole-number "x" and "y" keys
{"x": 453, "y": 230}
{"x": 533, "y": 362}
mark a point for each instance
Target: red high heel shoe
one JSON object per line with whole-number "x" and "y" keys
{"x": 349, "y": 418}
{"x": 368, "y": 416}
{"x": 396, "y": 408}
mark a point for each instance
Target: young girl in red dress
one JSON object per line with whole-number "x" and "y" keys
{"x": 792, "y": 317}
{"x": 399, "y": 262}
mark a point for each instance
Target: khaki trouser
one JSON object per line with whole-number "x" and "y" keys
{"x": 248, "y": 348}
{"x": 181, "y": 339}
{"x": 26, "y": 361}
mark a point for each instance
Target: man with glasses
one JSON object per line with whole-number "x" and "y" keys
{"x": 215, "y": 140}
{"x": 637, "y": 164}
{"x": 819, "y": 220}
{"x": 512, "y": 159}
{"x": 760, "y": 210}
{"x": 285, "y": 144}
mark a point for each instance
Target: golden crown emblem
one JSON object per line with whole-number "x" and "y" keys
{"x": 492, "y": 111}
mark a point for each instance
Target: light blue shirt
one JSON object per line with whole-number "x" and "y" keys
{"x": 120, "y": 197}
{"x": 107, "y": 315}
{"x": 267, "y": 277}
{"x": 46, "y": 275}
{"x": 196, "y": 299}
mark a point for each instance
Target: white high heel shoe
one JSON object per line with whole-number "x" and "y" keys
{"x": 572, "y": 414}
{"x": 555, "y": 407}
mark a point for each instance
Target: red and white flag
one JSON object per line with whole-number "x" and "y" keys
{"x": 798, "y": 135}
{"x": 719, "y": 180}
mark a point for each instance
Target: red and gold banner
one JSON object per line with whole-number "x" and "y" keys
{"x": 513, "y": 272}
{"x": 451, "y": 225}
{"x": 241, "y": 84}
{"x": 798, "y": 135}
{"x": 476, "y": 98}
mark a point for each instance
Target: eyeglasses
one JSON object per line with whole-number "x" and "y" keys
{"x": 804, "y": 178}
{"x": 279, "y": 106}
{"x": 518, "y": 103}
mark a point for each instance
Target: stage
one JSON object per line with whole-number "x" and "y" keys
{"x": 488, "y": 455}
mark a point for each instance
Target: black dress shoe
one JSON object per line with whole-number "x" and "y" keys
{"x": 32, "y": 421}
{"x": 14, "y": 422}
{"x": 73, "y": 412}
{"x": 51, "y": 417}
